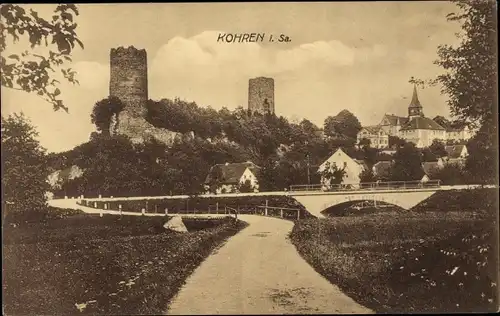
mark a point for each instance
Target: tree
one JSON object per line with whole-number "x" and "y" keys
{"x": 23, "y": 169}
{"x": 215, "y": 179}
{"x": 367, "y": 176}
{"x": 344, "y": 124}
{"x": 407, "y": 164}
{"x": 363, "y": 142}
{"x": 450, "y": 174}
{"x": 104, "y": 112}
{"x": 34, "y": 73}
{"x": 245, "y": 187}
{"x": 438, "y": 148}
{"x": 470, "y": 81}
{"x": 395, "y": 141}
{"x": 331, "y": 174}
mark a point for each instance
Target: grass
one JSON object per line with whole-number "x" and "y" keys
{"x": 412, "y": 261}
{"x": 90, "y": 265}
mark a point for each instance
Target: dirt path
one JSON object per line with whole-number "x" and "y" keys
{"x": 259, "y": 271}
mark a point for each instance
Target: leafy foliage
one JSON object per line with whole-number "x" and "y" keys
{"x": 407, "y": 164}
{"x": 470, "y": 81}
{"x": 23, "y": 171}
{"x": 34, "y": 73}
{"x": 103, "y": 113}
{"x": 245, "y": 187}
{"x": 344, "y": 123}
{"x": 437, "y": 148}
{"x": 332, "y": 174}
{"x": 450, "y": 174}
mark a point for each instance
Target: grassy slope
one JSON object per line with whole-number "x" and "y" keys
{"x": 403, "y": 262}
{"x": 127, "y": 266}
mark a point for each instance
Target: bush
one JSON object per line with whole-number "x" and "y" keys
{"x": 23, "y": 170}
{"x": 483, "y": 201}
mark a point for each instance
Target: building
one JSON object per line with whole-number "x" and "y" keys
{"x": 340, "y": 159}
{"x": 419, "y": 129}
{"x": 456, "y": 154}
{"x": 458, "y": 134}
{"x": 228, "y": 177}
{"x": 261, "y": 95}
{"x": 129, "y": 83}
{"x": 377, "y": 136}
{"x": 391, "y": 124}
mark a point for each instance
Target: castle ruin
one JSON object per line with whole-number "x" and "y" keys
{"x": 129, "y": 83}
{"x": 261, "y": 95}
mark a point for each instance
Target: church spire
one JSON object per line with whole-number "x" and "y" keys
{"x": 415, "y": 108}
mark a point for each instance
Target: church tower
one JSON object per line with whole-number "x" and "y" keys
{"x": 415, "y": 108}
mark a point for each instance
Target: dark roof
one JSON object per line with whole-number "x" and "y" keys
{"x": 382, "y": 168}
{"x": 422, "y": 123}
{"x": 373, "y": 129}
{"x": 454, "y": 151}
{"x": 393, "y": 119}
{"x": 430, "y": 166}
{"x": 231, "y": 173}
{"x": 415, "y": 103}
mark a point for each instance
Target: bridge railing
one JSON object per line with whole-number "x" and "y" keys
{"x": 389, "y": 185}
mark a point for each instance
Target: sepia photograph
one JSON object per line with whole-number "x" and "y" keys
{"x": 250, "y": 158}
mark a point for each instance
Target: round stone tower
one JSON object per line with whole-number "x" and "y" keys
{"x": 129, "y": 83}
{"x": 261, "y": 95}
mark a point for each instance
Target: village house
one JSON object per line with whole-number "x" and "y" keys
{"x": 228, "y": 177}
{"x": 341, "y": 160}
{"x": 377, "y": 136}
{"x": 456, "y": 154}
{"x": 382, "y": 170}
{"x": 391, "y": 124}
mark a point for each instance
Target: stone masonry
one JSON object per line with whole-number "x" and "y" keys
{"x": 129, "y": 83}
{"x": 261, "y": 95}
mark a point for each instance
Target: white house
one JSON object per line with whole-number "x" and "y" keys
{"x": 341, "y": 160}
{"x": 229, "y": 177}
{"x": 377, "y": 136}
{"x": 456, "y": 154}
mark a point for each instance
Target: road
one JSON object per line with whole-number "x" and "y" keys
{"x": 257, "y": 271}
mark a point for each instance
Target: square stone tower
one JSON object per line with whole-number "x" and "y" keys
{"x": 261, "y": 95}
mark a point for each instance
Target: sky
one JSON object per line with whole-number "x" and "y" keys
{"x": 357, "y": 56}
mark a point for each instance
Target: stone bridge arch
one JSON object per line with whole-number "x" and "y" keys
{"x": 316, "y": 203}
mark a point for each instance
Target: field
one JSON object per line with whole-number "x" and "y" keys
{"x": 443, "y": 260}
{"x": 90, "y": 265}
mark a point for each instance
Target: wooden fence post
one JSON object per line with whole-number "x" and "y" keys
{"x": 281, "y": 211}
{"x": 265, "y": 210}
{"x": 298, "y": 214}
{"x": 166, "y": 211}
{"x": 120, "y": 209}
{"x": 217, "y": 207}
{"x": 143, "y": 211}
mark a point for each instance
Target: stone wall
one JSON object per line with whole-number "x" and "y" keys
{"x": 129, "y": 83}
{"x": 261, "y": 95}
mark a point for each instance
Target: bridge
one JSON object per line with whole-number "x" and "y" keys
{"x": 317, "y": 198}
